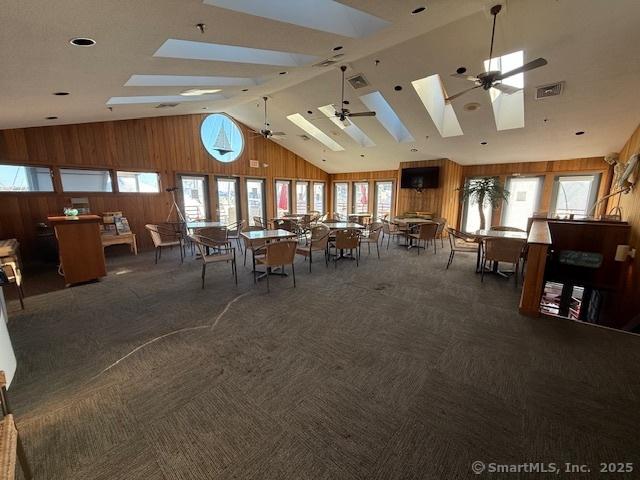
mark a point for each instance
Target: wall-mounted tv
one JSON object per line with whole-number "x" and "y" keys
{"x": 419, "y": 178}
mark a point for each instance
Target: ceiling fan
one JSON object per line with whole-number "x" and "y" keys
{"x": 494, "y": 78}
{"x": 344, "y": 113}
{"x": 266, "y": 131}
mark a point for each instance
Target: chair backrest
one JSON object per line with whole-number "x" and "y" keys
{"x": 442, "y": 223}
{"x": 280, "y": 253}
{"x": 428, "y": 231}
{"x": 286, "y": 224}
{"x": 258, "y": 221}
{"x": 162, "y": 233}
{"x": 388, "y": 227}
{"x": 336, "y": 216}
{"x": 503, "y": 249}
{"x": 505, "y": 228}
{"x": 347, "y": 238}
{"x": 353, "y": 219}
{"x": 217, "y": 234}
{"x": 374, "y": 230}
{"x": 323, "y": 217}
{"x": 236, "y": 227}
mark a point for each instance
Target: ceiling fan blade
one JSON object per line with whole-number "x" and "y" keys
{"x": 459, "y": 94}
{"x": 508, "y": 89}
{"x": 471, "y": 78}
{"x": 361, "y": 114}
{"x": 538, "y": 62}
{"x": 277, "y": 134}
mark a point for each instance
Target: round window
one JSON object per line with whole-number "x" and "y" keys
{"x": 221, "y": 137}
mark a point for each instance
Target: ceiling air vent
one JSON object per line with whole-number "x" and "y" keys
{"x": 305, "y": 137}
{"x": 551, "y": 90}
{"x": 167, "y": 105}
{"x": 324, "y": 63}
{"x": 358, "y": 81}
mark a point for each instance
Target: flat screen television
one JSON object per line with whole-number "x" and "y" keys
{"x": 419, "y": 178}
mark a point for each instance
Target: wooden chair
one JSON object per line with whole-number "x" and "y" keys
{"x": 461, "y": 242}
{"x": 426, "y": 233}
{"x": 165, "y": 235}
{"x": 318, "y": 242}
{"x": 11, "y": 447}
{"x": 504, "y": 228}
{"x": 442, "y": 223}
{"x": 390, "y": 230}
{"x": 234, "y": 230}
{"x": 372, "y": 236}
{"x": 13, "y": 275}
{"x": 347, "y": 239}
{"x": 508, "y": 250}
{"x": 277, "y": 254}
{"x": 222, "y": 253}
{"x": 252, "y": 245}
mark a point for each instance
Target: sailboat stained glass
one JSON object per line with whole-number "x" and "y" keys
{"x": 221, "y": 137}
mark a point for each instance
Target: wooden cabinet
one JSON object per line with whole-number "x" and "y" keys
{"x": 80, "y": 246}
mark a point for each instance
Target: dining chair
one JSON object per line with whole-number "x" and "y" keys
{"x": 372, "y": 236}
{"x": 460, "y": 242}
{"x": 442, "y": 223}
{"x": 347, "y": 239}
{"x": 505, "y": 228}
{"x": 165, "y": 235}
{"x": 215, "y": 235}
{"x": 390, "y": 230}
{"x": 508, "y": 250}
{"x": 318, "y": 242}
{"x": 11, "y": 447}
{"x": 277, "y": 254}
{"x": 426, "y": 233}
{"x": 12, "y": 274}
{"x": 323, "y": 217}
{"x": 259, "y": 221}
{"x": 336, "y": 216}
{"x": 234, "y": 232}
{"x": 252, "y": 245}
{"x": 221, "y": 253}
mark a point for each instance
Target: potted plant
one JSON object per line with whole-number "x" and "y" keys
{"x": 484, "y": 191}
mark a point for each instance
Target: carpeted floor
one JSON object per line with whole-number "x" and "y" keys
{"x": 397, "y": 369}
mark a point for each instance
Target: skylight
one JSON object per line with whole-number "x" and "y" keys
{"x": 315, "y": 132}
{"x": 187, "y": 49}
{"x": 324, "y": 15}
{"x": 163, "y": 99}
{"x": 508, "y": 110}
{"x": 387, "y": 117}
{"x": 348, "y": 127}
{"x": 432, "y": 93}
{"x": 187, "y": 81}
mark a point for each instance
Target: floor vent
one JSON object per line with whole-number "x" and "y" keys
{"x": 358, "y": 81}
{"x": 551, "y": 90}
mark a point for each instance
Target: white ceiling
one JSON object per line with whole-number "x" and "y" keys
{"x": 590, "y": 44}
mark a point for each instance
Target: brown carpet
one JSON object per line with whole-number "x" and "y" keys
{"x": 398, "y": 369}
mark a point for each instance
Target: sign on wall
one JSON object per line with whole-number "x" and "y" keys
{"x": 221, "y": 137}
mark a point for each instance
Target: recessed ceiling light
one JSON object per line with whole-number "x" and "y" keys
{"x": 471, "y": 107}
{"x": 51, "y": 118}
{"x": 205, "y": 108}
{"x": 82, "y": 42}
{"x": 339, "y": 47}
{"x": 362, "y": 155}
{"x": 283, "y": 73}
{"x": 310, "y": 112}
{"x": 461, "y": 70}
{"x": 418, "y": 10}
{"x": 192, "y": 92}
{"x": 483, "y": 143}
{"x": 580, "y": 133}
{"x": 61, "y": 94}
{"x": 324, "y": 159}
{"x": 414, "y": 149}
{"x": 346, "y": 102}
{"x": 397, "y": 88}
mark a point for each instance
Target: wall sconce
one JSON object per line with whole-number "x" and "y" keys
{"x": 623, "y": 252}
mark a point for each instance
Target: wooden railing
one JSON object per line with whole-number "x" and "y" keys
{"x": 538, "y": 244}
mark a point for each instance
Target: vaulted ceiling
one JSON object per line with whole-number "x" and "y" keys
{"x": 591, "y": 45}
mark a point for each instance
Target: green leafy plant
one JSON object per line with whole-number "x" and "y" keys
{"x": 484, "y": 191}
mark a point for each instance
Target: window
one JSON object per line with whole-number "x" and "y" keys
{"x": 524, "y": 195}
{"x": 341, "y": 198}
{"x": 318, "y": 197}
{"x": 228, "y": 200}
{"x": 143, "y": 182}
{"x": 255, "y": 199}
{"x": 361, "y": 197}
{"x": 384, "y": 199}
{"x": 20, "y": 178}
{"x": 76, "y": 180}
{"x": 283, "y": 198}
{"x": 302, "y": 197}
{"x": 574, "y": 194}
{"x": 471, "y": 214}
{"x": 195, "y": 196}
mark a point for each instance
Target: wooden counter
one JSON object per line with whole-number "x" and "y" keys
{"x": 538, "y": 243}
{"x": 80, "y": 246}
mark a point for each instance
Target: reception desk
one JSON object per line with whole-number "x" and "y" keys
{"x": 80, "y": 247}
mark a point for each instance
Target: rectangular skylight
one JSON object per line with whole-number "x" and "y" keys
{"x": 508, "y": 110}
{"x": 324, "y": 15}
{"x": 348, "y": 127}
{"x": 163, "y": 99}
{"x": 432, "y": 93}
{"x": 387, "y": 117}
{"x": 187, "y": 81}
{"x": 187, "y": 49}
{"x": 315, "y": 132}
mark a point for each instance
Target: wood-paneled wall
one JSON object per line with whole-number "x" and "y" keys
{"x": 630, "y": 205}
{"x": 167, "y": 145}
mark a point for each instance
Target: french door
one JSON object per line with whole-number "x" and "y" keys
{"x": 194, "y": 190}
{"x": 228, "y": 200}
{"x": 256, "y": 205}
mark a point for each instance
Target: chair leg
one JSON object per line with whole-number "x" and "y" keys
{"x": 517, "y": 265}
{"x": 434, "y": 246}
{"x": 418, "y": 244}
{"x": 369, "y": 247}
{"x": 159, "y": 253}
{"x": 253, "y": 256}
{"x": 235, "y": 270}
{"x": 268, "y": 290}
{"x": 245, "y": 257}
{"x": 204, "y": 270}
{"x": 450, "y": 258}
{"x": 293, "y": 273}
{"x": 388, "y": 240}
{"x": 310, "y": 260}
{"x": 482, "y": 266}
{"x": 378, "y": 249}
{"x": 20, "y": 295}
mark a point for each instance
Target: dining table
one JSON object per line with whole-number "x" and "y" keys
{"x": 195, "y": 225}
{"x": 410, "y": 223}
{"x": 483, "y": 234}
{"x": 267, "y": 236}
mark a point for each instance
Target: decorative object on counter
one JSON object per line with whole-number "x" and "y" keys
{"x": 70, "y": 212}
{"x": 81, "y": 204}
